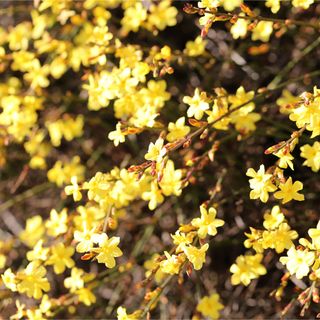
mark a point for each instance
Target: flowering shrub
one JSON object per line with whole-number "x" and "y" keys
{"x": 159, "y": 159}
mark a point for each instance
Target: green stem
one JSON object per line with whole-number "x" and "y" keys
{"x": 25, "y": 195}
{"x": 291, "y": 64}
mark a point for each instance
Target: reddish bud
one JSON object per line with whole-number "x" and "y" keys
{"x": 187, "y": 143}
{"x": 190, "y": 9}
{"x": 189, "y": 270}
{"x": 244, "y": 8}
{"x": 87, "y": 256}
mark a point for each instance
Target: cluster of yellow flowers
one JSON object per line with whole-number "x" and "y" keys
{"x": 184, "y": 238}
{"x": 261, "y": 184}
{"x": 302, "y": 260}
{"x": 240, "y": 107}
{"x": 277, "y": 235}
{"x": 72, "y": 66}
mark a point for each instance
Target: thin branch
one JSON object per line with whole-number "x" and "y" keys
{"x": 156, "y": 297}
{"x": 285, "y": 22}
{"x": 231, "y": 111}
{"x": 291, "y": 64}
{"x": 25, "y": 195}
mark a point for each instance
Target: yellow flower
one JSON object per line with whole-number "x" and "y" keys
{"x": 272, "y": 220}
{"x": 207, "y": 19}
{"x": 66, "y": 127}
{"x": 34, "y": 314}
{"x": 196, "y": 48}
{"x": 230, "y": 5}
{"x": 117, "y": 136}
{"x": 171, "y": 265}
{"x": 37, "y": 75}
{"x": 171, "y": 180}
{"x": 22, "y": 60}
{"x": 210, "y": 4}
{"x": 245, "y": 123}
{"x": 108, "y": 250}
{"x": 102, "y": 15}
{"x": 155, "y": 151}
{"x": 198, "y": 104}
{"x": 261, "y": 184}
{"x": 208, "y": 223}
{"x": 262, "y": 31}
{"x": 161, "y": 15}
{"x": 219, "y": 109}
{"x": 209, "y": 306}
{"x": 286, "y": 101}
{"x": 88, "y": 217}
{"x": 99, "y": 90}
{"x": 289, "y": 191}
{"x": 86, "y": 296}
{"x": 314, "y": 234}
{"x": 62, "y": 172}
{"x": 37, "y": 149}
{"x": 20, "y": 313}
{"x": 46, "y": 305}
{"x": 285, "y": 158}
{"x": 33, "y": 232}
{"x": 122, "y": 314}
{"x": 308, "y": 114}
{"x": 312, "y": 156}
{"x": 38, "y": 252}
{"x": 305, "y": 4}
{"x": 133, "y": 17}
{"x": 196, "y": 256}
{"x": 57, "y": 224}
{"x": 254, "y": 240}
{"x": 154, "y": 196}
{"x": 60, "y": 258}
{"x": 239, "y": 29}
{"x": 86, "y": 239}
{"x": 240, "y": 98}
{"x": 33, "y": 280}
{"x": 164, "y": 54}
{"x": 141, "y": 69}
{"x": 177, "y": 130}
{"x": 58, "y": 67}
{"x": 181, "y": 240}
{"x": 100, "y": 35}
{"x": 75, "y": 281}
{"x": 19, "y": 36}
{"x": 247, "y": 268}
{"x": 9, "y": 280}
{"x": 274, "y": 5}
{"x": 279, "y": 239}
{"x": 298, "y": 262}
{"x": 74, "y": 189}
